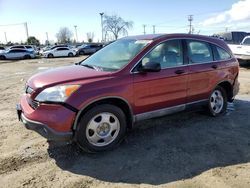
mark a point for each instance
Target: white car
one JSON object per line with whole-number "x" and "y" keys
{"x": 59, "y": 52}
{"x": 242, "y": 51}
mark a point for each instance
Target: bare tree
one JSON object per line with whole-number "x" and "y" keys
{"x": 116, "y": 25}
{"x": 90, "y": 36}
{"x": 64, "y": 35}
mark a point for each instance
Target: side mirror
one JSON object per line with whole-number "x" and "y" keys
{"x": 150, "y": 67}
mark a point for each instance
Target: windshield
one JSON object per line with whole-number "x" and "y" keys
{"x": 116, "y": 55}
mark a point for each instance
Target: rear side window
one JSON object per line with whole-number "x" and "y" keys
{"x": 17, "y": 51}
{"x": 246, "y": 41}
{"x": 199, "y": 52}
{"x": 61, "y": 49}
{"x": 221, "y": 54}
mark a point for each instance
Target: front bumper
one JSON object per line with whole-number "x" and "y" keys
{"x": 53, "y": 121}
{"x": 42, "y": 129}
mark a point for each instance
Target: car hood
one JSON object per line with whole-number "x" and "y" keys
{"x": 64, "y": 75}
{"x": 47, "y": 51}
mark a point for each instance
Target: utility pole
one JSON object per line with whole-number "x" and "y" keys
{"x": 190, "y": 19}
{"x": 76, "y": 32}
{"x": 144, "y": 29}
{"x": 5, "y": 37}
{"x": 26, "y": 29}
{"x": 47, "y": 37}
{"x": 101, "y": 14}
{"x": 153, "y": 29}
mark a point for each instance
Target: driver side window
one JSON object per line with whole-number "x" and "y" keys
{"x": 168, "y": 54}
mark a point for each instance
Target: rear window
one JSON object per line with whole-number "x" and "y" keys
{"x": 199, "y": 52}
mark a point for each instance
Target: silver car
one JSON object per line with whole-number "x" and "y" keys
{"x": 17, "y": 54}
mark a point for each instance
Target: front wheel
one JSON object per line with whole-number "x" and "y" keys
{"x": 50, "y": 55}
{"x": 217, "y": 104}
{"x": 101, "y": 128}
{"x": 81, "y": 53}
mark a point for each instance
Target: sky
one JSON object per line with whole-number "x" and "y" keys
{"x": 168, "y": 16}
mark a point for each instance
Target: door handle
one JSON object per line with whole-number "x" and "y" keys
{"x": 179, "y": 72}
{"x": 214, "y": 66}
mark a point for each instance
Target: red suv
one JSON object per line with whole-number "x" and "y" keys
{"x": 135, "y": 78}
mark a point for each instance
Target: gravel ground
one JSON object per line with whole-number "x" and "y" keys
{"x": 187, "y": 149}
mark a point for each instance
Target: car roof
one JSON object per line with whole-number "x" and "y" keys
{"x": 180, "y": 36}
{"x": 18, "y": 49}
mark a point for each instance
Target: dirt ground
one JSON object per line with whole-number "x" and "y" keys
{"x": 183, "y": 150}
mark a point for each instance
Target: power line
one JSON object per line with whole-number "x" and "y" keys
{"x": 13, "y": 24}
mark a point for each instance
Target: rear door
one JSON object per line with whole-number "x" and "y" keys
{"x": 167, "y": 88}
{"x": 203, "y": 70}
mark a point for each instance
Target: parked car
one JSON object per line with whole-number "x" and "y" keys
{"x": 242, "y": 51}
{"x": 135, "y": 78}
{"x": 59, "y": 52}
{"x": 47, "y": 48}
{"x": 233, "y": 37}
{"x": 17, "y": 54}
{"x": 27, "y": 47}
{"x": 88, "y": 49}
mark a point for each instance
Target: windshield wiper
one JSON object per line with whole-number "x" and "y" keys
{"x": 92, "y": 67}
{"x": 89, "y": 66}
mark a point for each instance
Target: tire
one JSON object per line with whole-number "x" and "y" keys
{"x": 217, "y": 104}
{"x": 70, "y": 54}
{"x": 50, "y": 55}
{"x": 101, "y": 128}
{"x": 26, "y": 57}
{"x": 81, "y": 53}
{"x": 2, "y": 57}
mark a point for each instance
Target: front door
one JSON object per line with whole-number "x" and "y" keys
{"x": 167, "y": 88}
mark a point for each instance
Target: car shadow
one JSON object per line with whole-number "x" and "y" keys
{"x": 245, "y": 64}
{"x": 166, "y": 149}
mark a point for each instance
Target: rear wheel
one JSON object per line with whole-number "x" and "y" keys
{"x": 217, "y": 104}
{"x": 70, "y": 54}
{"x": 101, "y": 128}
{"x": 2, "y": 57}
{"x": 50, "y": 55}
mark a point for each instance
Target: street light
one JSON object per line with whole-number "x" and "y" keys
{"x": 76, "y": 32}
{"x": 101, "y": 14}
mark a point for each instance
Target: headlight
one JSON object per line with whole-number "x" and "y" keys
{"x": 56, "y": 93}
